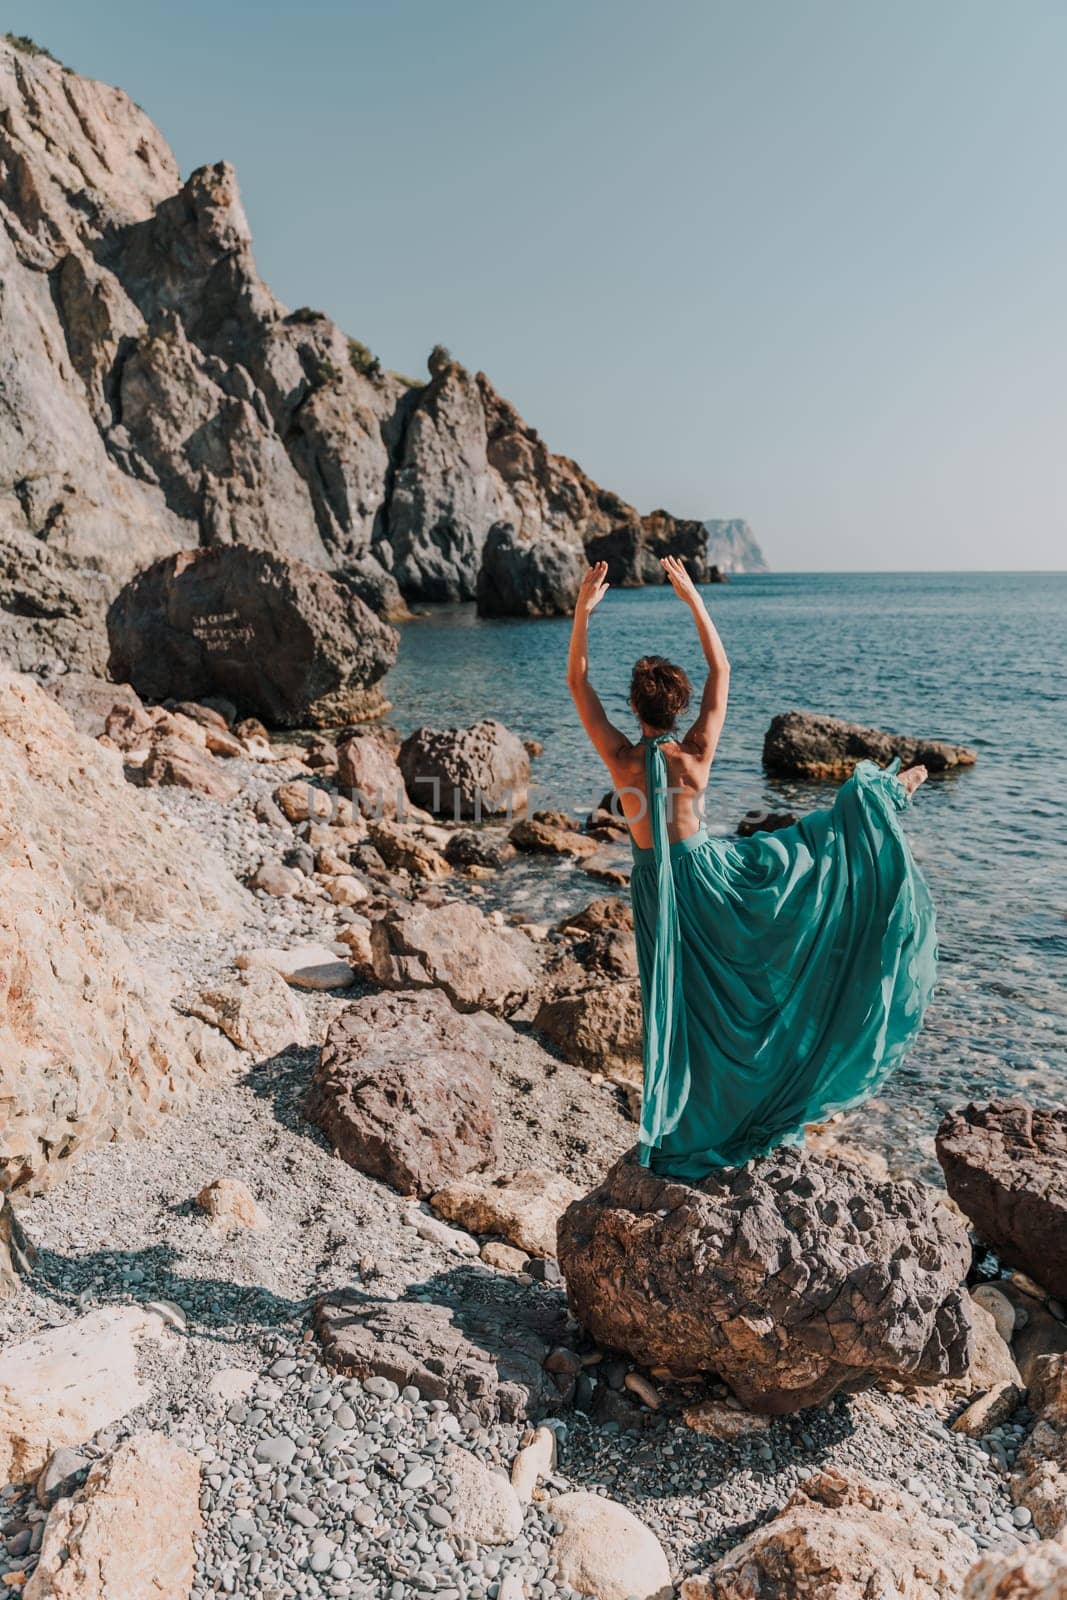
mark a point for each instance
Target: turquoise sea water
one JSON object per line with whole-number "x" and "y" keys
{"x": 980, "y": 659}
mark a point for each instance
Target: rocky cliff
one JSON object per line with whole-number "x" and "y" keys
{"x": 732, "y": 547}
{"x": 155, "y": 396}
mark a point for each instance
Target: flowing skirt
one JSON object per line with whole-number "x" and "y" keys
{"x": 807, "y": 959}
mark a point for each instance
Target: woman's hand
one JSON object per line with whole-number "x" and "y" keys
{"x": 594, "y": 588}
{"x": 679, "y": 579}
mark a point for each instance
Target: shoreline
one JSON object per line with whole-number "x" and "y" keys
{"x": 246, "y": 1300}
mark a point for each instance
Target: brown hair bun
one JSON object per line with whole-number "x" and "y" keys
{"x": 659, "y": 691}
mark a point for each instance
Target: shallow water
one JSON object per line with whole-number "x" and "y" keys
{"x": 978, "y": 659}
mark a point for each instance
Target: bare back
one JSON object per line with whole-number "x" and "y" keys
{"x": 687, "y": 778}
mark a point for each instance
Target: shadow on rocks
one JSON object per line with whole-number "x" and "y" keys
{"x": 214, "y": 1308}
{"x": 284, "y": 1080}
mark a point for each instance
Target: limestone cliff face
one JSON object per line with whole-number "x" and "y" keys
{"x": 90, "y": 1045}
{"x": 154, "y": 395}
{"x": 732, "y": 546}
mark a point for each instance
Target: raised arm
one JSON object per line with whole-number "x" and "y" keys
{"x": 607, "y": 740}
{"x": 703, "y": 736}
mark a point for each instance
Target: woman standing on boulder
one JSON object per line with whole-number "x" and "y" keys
{"x": 783, "y": 976}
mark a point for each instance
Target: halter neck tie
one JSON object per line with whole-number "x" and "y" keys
{"x": 665, "y": 1090}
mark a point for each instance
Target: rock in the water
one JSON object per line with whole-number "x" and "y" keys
{"x": 476, "y": 772}
{"x": 1005, "y": 1165}
{"x": 129, "y": 1532}
{"x": 60, "y": 1386}
{"x": 257, "y": 1010}
{"x": 306, "y": 966}
{"x": 806, "y": 744}
{"x": 453, "y": 947}
{"x": 1040, "y": 1478}
{"x": 732, "y": 546}
{"x": 403, "y": 850}
{"x": 404, "y": 1090}
{"x": 368, "y": 773}
{"x": 763, "y": 821}
{"x": 551, "y": 833}
{"x": 282, "y": 639}
{"x": 529, "y": 577}
{"x": 791, "y": 1277}
{"x": 521, "y": 1207}
{"x": 474, "y": 847}
{"x": 604, "y": 1550}
{"x": 1029, "y": 1572}
{"x": 487, "y": 1508}
{"x": 16, "y": 1252}
{"x": 482, "y": 1357}
{"x": 843, "y": 1538}
{"x": 231, "y": 1205}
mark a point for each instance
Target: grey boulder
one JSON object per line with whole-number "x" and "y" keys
{"x": 283, "y": 640}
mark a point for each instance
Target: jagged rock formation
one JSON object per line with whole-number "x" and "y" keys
{"x": 1005, "y": 1165}
{"x": 791, "y": 1277}
{"x": 155, "y": 396}
{"x": 731, "y": 546}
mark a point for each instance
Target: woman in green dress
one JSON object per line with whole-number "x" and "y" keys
{"x": 783, "y": 976}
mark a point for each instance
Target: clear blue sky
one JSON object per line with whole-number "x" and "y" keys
{"x": 801, "y": 261}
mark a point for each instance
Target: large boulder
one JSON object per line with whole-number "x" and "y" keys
{"x": 404, "y": 1090}
{"x": 283, "y": 640}
{"x": 529, "y": 577}
{"x": 1005, "y": 1165}
{"x": 129, "y": 1531}
{"x": 806, "y": 744}
{"x": 466, "y": 772}
{"x": 486, "y": 1356}
{"x": 479, "y": 964}
{"x": 843, "y": 1538}
{"x": 791, "y": 1278}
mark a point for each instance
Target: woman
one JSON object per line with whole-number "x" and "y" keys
{"x": 782, "y": 976}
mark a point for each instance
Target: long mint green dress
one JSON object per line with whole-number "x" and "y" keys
{"x": 783, "y": 976}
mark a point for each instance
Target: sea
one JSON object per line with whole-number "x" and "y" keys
{"x": 977, "y": 658}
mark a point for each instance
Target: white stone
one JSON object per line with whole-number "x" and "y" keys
{"x": 533, "y": 1462}
{"x": 487, "y": 1508}
{"x": 604, "y": 1550}
{"x": 60, "y": 1387}
{"x": 307, "y": 966}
